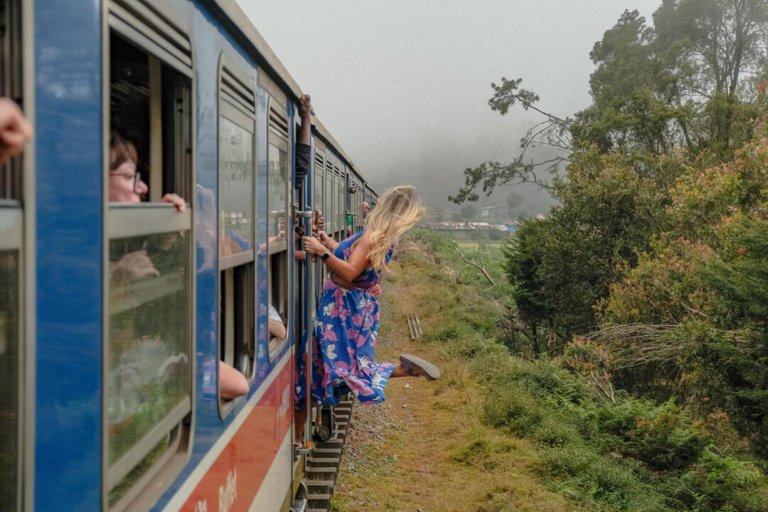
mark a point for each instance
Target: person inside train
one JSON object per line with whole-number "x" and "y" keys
{"x": 276, "y": 327}
{"x": 126, "y": 186}
{"x": 366, "y": 209}
{"x": 125, "y": 183}
{"x": 348, "y": 315}
{"x": 15, "y": 131}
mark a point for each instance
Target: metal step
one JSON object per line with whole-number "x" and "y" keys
{"x": 319, "y": 483}
{"x": 322, "y": 466}
{"x": 322, "y": 470}
{"x": 334, "y": 451}
{"x": 323, "y": 460}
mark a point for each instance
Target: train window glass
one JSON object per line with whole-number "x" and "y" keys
{"x": 237, "y": 227}
{"x": 148, "y": 370}
{"x": 150, "y": 303}
{"x": 278, "y": 197}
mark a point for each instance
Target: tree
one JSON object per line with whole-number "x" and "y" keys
{"x": 552, "y": 132}
{"x": 514, "y": 201}
{"x": 469, "y": 212}
{"x": 719, "y": 43}
{"x": 678, "y": 83}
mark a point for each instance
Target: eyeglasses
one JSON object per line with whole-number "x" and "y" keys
{"x": 136, "y": 177}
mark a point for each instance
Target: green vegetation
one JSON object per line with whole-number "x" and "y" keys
{"x": 648, "y": 282}
{"x": 599, "y": 446}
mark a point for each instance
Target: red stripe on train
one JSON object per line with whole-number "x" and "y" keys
{"x": 234, "y": 479}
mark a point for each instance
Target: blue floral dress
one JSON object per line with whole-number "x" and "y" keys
{"x": 344, "y": 338}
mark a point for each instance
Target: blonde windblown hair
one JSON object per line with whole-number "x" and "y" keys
{"x": 397, "y": 210}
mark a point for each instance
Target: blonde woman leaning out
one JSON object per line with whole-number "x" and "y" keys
{"x": 348, "y": 314}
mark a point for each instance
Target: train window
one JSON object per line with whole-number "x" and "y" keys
{"x": 319, "y": 180}
{"x": 279, "y": 206}
{"x": 149, "y": 352}
{"x": 330, "y": 193}
{"x": 11, "y": 276}
{"x": 237, "y": 226}
{"x": 341, "y": 217}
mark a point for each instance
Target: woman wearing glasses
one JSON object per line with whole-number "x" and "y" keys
{"x": 125, "y": 184}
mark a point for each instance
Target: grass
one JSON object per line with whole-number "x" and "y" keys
{"x": 521, "y": 435}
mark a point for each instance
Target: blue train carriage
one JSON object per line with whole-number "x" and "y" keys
{"x": 115, "y": 316}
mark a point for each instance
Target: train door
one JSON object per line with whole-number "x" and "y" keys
{"x": 149, "y": 330}
{"x": 16, "y": 270}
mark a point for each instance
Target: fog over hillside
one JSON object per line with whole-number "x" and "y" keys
{"x": 404, "y": 86}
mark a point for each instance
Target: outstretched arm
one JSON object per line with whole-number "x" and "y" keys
{"x": 305, "y": 113}
{"x": 347, "y": 270}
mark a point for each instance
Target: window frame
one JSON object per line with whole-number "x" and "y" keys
{"x": 281, "y": 139}
{"x": 242, "y": 114}
{"x": 17, "y": 225}
{"x": 144, "y": 219}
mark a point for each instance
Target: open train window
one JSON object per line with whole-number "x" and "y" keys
{"x": 237, "y": 226}
{"x": 12, "y": 276}
{"x": 149, "y": 330}
{"x": 279, "y": 207}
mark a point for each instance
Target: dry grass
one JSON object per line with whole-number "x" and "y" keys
{"x": 425, "y": 449}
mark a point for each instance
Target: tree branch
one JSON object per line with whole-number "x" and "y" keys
{"x": 478, "y": 267}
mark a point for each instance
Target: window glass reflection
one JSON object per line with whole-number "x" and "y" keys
{"x": 148, "y": 350}
{"x": 278, "y": 197}
{"x": 235, "y": 187}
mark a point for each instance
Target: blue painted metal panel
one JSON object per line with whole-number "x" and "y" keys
{"x": 209, "y": 41}
{"x": 68, "y": 88}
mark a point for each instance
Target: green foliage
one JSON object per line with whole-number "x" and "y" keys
{"x": 626, "y": 454}
{"x": 688, "y": 81}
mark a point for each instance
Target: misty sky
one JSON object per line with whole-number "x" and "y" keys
{"x": 404, "y": 85}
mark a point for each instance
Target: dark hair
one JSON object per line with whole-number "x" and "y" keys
{"x": 121, "y": 151}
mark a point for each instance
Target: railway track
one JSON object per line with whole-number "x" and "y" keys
{"x": 322, "y": 466}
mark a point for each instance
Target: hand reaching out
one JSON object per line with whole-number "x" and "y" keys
{"x": 15, "y": 131}
{"x": 177, "y": 201}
